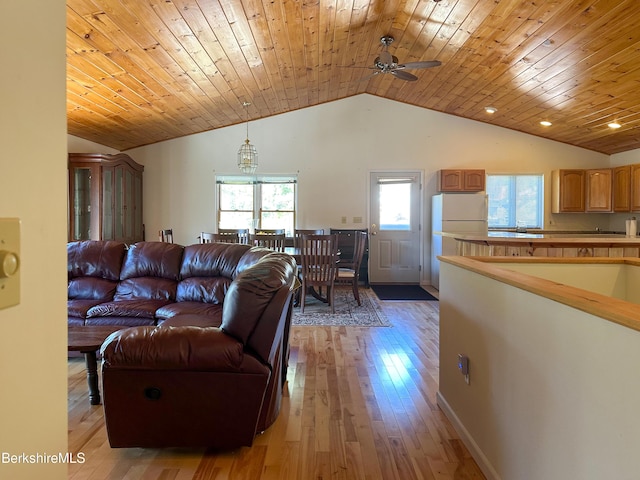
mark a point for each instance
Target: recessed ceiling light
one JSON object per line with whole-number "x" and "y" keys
{"x": 490, "y": 109}
{"x": 614, "y": 125}
{"x": 546, "y": 123}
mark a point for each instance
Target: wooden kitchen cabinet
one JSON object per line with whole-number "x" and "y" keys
{"x": 622, "y": 189}
{"x": 105, "y": 198}
{"x": 598, "y": 188}
{"x": 567, "y": 191}
{"x": 635, "y": 187}
{"x": 461, "y": 180}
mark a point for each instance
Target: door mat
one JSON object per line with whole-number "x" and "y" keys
{"x": 402, "y": 292}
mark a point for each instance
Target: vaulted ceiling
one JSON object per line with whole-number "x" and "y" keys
{"x": 144, "y": 71}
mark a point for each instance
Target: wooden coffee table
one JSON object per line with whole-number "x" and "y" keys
{"x": 88, "y": 340}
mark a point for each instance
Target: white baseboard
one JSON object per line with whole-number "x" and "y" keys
{"x": 467, "y": 439}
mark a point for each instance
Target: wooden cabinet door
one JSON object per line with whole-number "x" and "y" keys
{"x": 622, "y": 189}
{"x": 463, "y": 180}
{"x": 473, "y": 180}
{"x": 598, "y": 189}
{"x": 635, "y": 188}
{"x": 450, "y": 181}
{"x": 567, "y": 191}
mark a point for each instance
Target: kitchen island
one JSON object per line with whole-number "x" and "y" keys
{"x": 545, "y": 244}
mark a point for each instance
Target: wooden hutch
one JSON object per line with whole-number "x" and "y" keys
{"x": 105, "y": 198}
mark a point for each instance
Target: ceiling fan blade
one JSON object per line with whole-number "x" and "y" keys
{"x": 369, "y": 76}
{"x": 427, "y": 64}
{"x": 404, "y": 75}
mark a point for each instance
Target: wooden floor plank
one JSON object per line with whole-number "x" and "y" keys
{"x": 359, "y": 403}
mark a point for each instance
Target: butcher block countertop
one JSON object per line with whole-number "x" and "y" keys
{"x": 546, "y": 238}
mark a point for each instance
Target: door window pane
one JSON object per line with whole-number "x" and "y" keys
{"x": 395, "y": 206}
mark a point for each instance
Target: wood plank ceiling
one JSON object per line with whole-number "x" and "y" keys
{"x": 144, "y": 71}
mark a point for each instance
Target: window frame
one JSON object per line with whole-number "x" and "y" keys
{"x": 257, "y": 181}
{"x": 513, "y": 195}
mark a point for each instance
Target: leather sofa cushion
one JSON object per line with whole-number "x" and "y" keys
{"x": 152, "y": 259}
{"x": 95, "y": 259}
{"x": 91, "y": 288}
{"x": 211, "y": 260}
{"x": 178, "y": 348}
{"x": 127, "y": 308}
{"x": 250, "y": 293}
{"x": 120, "y": 321}
{"x": 190, "y": 308}
{"x": 193, "y": 320}
{"x": 151, "y": 288}
{"x": 80, "y": 307}
{"x": 203, "y": 289}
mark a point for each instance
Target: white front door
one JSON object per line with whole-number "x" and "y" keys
{"x": 395, "y": 240}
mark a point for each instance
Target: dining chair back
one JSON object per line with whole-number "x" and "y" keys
{"x": 219, "y": 237}
{"x": 319, "y": 256}
{"x": 166, "y": 235}
{"x": 348, "y": 272}
{"x": 243, "y": 233}
{"x": 298, "y": 232}
{"x": 272, "y": 241}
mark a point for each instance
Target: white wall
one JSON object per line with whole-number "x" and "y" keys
{"x": 33, "y": 368}
{"x": 333, "y": 147}
{"x": 553, "y": 391}
{"x": 80, "y": 145}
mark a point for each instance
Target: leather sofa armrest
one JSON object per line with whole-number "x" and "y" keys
{"x": 177, "y": 348}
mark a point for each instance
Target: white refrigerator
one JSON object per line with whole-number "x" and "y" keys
{"x": 454, "y": 213}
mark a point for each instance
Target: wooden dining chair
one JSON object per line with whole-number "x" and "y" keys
{"x": 269, "y": 240}
{"x": 166, "y": 235}
{"x": 243, "y": 233}
{"x": 219, "y": 237}
{"x": 319, "y": 255}
{"x": 298, "y": 232}
{"x": 348, "y": 272}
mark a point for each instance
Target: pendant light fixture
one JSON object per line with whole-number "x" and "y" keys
{"x": 247, "y": 155}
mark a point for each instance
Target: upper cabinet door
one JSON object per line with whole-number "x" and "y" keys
{"x": 567, "y": 191}
{"x": 635, "y": 188}
{"x": 461, "y": 180}
{"x": 598, "y": 189}
{"x": 622, "y": 189}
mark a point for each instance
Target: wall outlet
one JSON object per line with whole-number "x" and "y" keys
{"x": 463, "y": 366}
{"x": 343, "y": 220}
{"x": 357, "y": 219}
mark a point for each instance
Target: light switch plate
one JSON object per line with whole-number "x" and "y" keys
{"x": 9, "y": 262}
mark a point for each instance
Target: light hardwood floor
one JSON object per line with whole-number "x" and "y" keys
{"x": 360, "y": 403}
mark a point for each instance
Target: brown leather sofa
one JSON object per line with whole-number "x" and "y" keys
{"x": 201, "y": 358}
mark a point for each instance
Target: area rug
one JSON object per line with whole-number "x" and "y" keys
{"x": 347, "y": 312}
{"x": 402, "y": 292}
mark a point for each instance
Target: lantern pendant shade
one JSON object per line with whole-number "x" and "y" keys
{"x": 247, "y": 155}
{"x": 247, "y": 158}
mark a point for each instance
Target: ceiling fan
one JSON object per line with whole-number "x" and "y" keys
{"x": 387, "y": 63}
